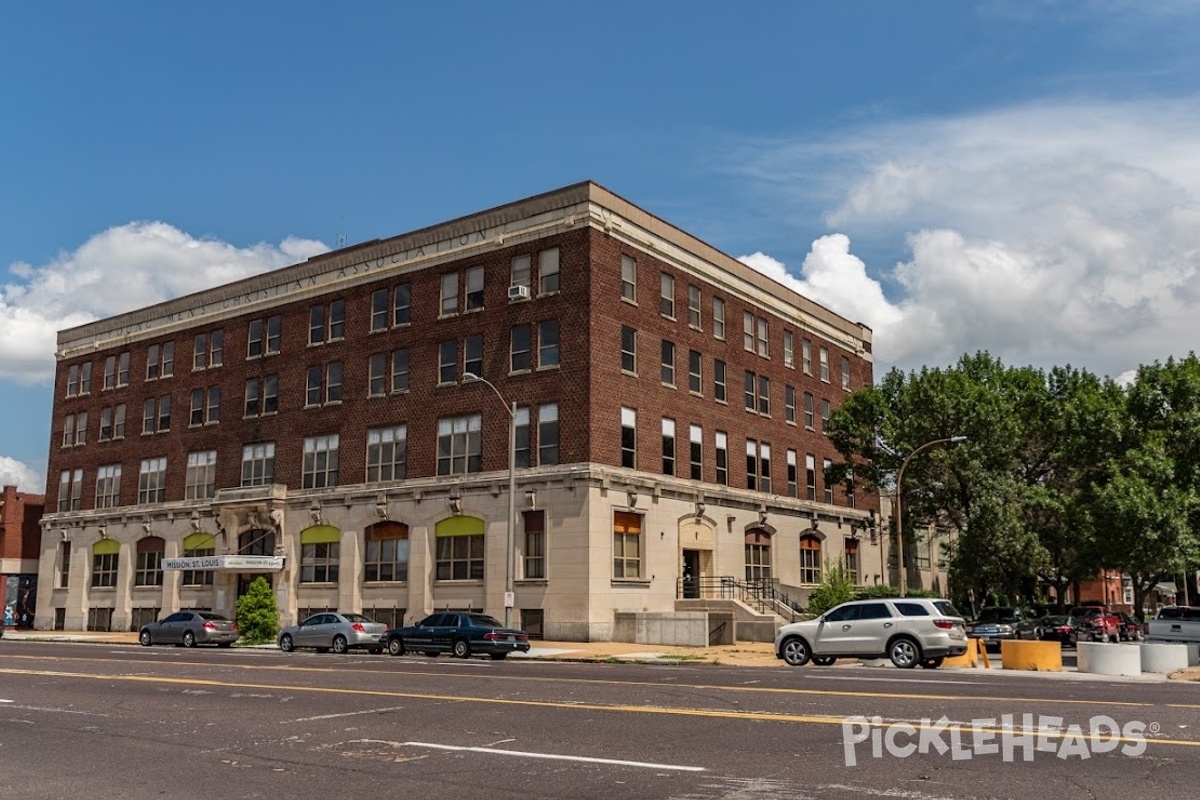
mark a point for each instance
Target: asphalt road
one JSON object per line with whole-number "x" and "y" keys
{"x": 110, "y": 721}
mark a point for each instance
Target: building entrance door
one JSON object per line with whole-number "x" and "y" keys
{"x": 691, "y": 574}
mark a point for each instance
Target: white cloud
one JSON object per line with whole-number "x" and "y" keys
{"x": 123, "y": 268}
{"x": 1046, "y": 234}
{"x": 14, "y": 473}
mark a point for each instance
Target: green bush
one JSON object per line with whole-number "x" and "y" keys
{"x": 837, "y": 588}
{"x": 257, "y": 614}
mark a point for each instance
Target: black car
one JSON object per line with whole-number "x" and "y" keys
{"x": 461, "y": 633}
{"x": 997, "y": 623}
{"x": 1062, "y": 628}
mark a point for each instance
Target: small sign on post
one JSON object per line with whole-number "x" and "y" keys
{"x": 509, "y": 600}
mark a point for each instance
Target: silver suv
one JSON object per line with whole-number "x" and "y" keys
{"x": 908, "y": 630}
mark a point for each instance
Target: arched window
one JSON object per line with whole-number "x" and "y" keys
{"x": 758, "y": 555}
{"x": 199, "y": 545}
{"x": 257, "y": 542}
{"x": 810, "y": 559}
{"x": 320, "y": 554}
{"x": 104, "y": 562}
{"x": 852, "y": 560}
{"x": 385, "y": 557}
{"x": 149, "y": 561}
{"x": 459, "y": 549}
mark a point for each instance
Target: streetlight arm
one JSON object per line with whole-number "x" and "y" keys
{"x": 471, "y": 377}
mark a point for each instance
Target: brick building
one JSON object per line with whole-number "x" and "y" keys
{"x": 20, "y": 545}
{"x": 313, "y": 425}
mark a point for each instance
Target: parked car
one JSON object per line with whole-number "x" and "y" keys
{"x": 997, "y": 623}
{"x": 339, "y": 631}
{"x": 1059, "y": 628}
{"x": 1175, "y": 624}
{"x": 909, "y": 631}
{"x": 461, "y": 633}
{"x": 1128, "y": 628}
{"x": 1097, "y": 623}
{"x": 190, "y": 628}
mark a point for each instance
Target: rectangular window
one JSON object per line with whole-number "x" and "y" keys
{"x": 628, "y": 279}
{"x": 104, "y": 575}
{"x": 826, "y": 464}
{"x": 387, "y": 452}
{"x": 399, "y": 371}
{"x": 152, "y": 363}
{"x": 548, "y": 434}
{"x": 258, "y": 464}
{"x": 312, "y": 392}
{"x": 722, "y": 458}
{"x": 73, "y": 380}
{"x": 319, "y": 562}
{"x": 694, "y": 307}
{"x": 627, "y": 545}
{"x": 763, "y": 339}
{"x": 200, "y": 351}
{"x": 668, "y": 447}
{"x": 548, "y": 344}
{"x": 156, "y": 415}
{"x": 628, "y": 349}
{"x": 379, "y": 310}
{"x": 628, "y": 438}
{"x": 845, "y": 373}
{"x": 764, "y": 467}
{"x": 806, "y": 356}
{"x": 519, "y": 344}
{"x": 68, "y": 438}
{"x": 64, "y": 565}
{"x": 386, "y": 559}
{"x": 216, "y": 348}
{"x": 789, "y": 404}
{"x": 719, "y": 381}
{"x": 459, "y": 445}
{"x": 749, "y": 391}
{"x": 696, "y": 452}
{"x": 110, "y": 372}
{"x": 196, "y": 417}
{"x": 376, "y": 375}
{"x": 152, "y": 480}
{"x": 851, "y": 546}
{"x": 810, "y": 477}
{"x": 789, "y": 350}
{"x": 534, "y": 554}
{"x": 402, "y": 305}
{"x": 824, "y": 353}
{"x": 521, "y": 452}
{"x": 666, "y": 304}
{"x": 262, "y": 396}
{"x": 748, "y": 331}
{"x": 459, "y": 558}
{"x": 718, "y": 318}
{"x": 337, "y": 320}
{"x": 254, "y": 338}
{"x": 201, "y": 480}
{"x": 808, "y": 410}
{"x": 668, "y": 363}
{"x": 548, "y": 271}
{"x": 764, "y": 395}
{"x": 448, "y": 361}
{"x": 474, "y": 298}
{"x": 473, "y": 354}
{"x": 320, "y": 466}
{"x": 333, "y": 382}
{"x": 123, "y": 370}
{"x": 793, "y": 488}
{"x": 751, "y": 464}
{"x": 695, "y": 379}
{"x": 106, "y": 424}
{"x": 449, "y": 294}
{"x": 70, "y": 490}
{"x": 522, "y": 271}
{"x": 274, "y": 334}
{"x": 824, "y": 414}
{"x": 85, "y": 378}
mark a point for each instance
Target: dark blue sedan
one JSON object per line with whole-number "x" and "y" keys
{"x": 461, "y": 633}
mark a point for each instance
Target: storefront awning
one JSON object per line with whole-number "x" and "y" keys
{"x": 226, "y": 563}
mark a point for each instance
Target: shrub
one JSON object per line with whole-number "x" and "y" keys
{"x": 257, "y": 614}
{"x": 835, "y": 589}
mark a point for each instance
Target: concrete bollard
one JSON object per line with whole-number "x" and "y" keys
{"x": 1031, "y": 655}
{"x": 967, "y": 659}
{"x": 1163, "y": 657}
{"x": 1193, "y": 654}
{"x": 1109, "y": 659}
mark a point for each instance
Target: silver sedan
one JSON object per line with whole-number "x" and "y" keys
{"x": 339, "y": 631}
{"x": 190, "y": 628}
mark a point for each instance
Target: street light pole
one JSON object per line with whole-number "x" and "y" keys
{"x": 900, "y": 509}
{"x": 470, "y": 377}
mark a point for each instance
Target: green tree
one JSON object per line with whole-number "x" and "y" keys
{"x": 257, "y": 614}
{"x": 836, "y": 588}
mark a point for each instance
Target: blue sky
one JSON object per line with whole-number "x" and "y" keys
{"x": 1017, "y": 177}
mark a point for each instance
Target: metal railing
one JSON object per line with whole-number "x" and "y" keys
{"x": 762, "y": 595}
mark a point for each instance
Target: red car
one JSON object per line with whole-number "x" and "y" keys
{"x": 1097, "y": 623}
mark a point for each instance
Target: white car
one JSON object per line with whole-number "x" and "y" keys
{"x": 908, "y": 630}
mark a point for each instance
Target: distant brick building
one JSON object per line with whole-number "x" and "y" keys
{"x": 20, "y": 546}
{"x": 313, "y": 425}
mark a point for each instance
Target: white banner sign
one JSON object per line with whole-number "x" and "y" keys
{"x": 226, "y": 563}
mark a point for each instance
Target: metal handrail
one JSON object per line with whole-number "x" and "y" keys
{"x": 760, "y": 594}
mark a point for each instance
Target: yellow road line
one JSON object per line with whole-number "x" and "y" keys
{"x": 652, "y": 684}
{"x": 745, "y": 716}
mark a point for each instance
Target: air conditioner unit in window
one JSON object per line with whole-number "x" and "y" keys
{"x": 518, "y": 292}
